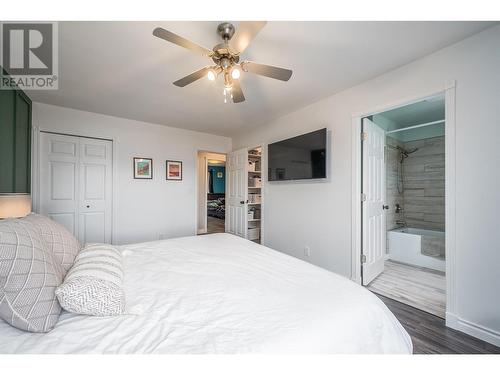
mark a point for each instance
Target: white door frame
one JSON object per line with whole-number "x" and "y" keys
{"x": 197, "y": 201}
{"x": 448, "y": 90}
{"x": 35, "y": 172}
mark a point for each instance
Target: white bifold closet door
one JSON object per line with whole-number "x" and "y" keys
{"x": 76, "y": 184}
{"x": 374, "y": 225}
{"x": 236, "y": 192}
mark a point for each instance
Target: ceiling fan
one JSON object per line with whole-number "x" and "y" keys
{"x": 226, "y": 57}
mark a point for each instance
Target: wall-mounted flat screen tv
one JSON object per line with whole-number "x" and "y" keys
{"x": 298, "y": 158}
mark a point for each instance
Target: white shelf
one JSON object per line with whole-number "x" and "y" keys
{"x": 255, "y": 224}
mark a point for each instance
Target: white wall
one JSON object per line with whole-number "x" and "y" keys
{"x": 145, "y": 209}
{"x": 290, "y": 207}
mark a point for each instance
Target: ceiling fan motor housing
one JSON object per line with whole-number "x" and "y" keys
{"x": 226, "y": 30}
{"x": 222, "y": 56}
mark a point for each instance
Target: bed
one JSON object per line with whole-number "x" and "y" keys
{"x": 223, "y": 294}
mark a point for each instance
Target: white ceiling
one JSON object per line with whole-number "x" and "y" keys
{"x": 120, "y": 69}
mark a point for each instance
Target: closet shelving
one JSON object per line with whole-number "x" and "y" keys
{"x": 254, "y": 194}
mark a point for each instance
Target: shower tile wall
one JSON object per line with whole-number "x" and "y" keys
{"x": 392, "y": 194}
{"x": 424, "y": 199}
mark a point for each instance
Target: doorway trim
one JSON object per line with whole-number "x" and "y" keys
{"x": 35, "y": 172}
{"x": 197, "y": 192}
{"x": 448, "y": 89}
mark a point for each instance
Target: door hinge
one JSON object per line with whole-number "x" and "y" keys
{"x": 363, "y": 197}
{"x": 364, "y": 136}
{"x": 363, "y": 258}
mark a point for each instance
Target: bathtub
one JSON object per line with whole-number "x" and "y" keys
{"x": 420, "y": 247}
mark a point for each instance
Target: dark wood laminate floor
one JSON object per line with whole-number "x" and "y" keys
{"x": 215, "y": 225}
{"x": 430, "y": 335}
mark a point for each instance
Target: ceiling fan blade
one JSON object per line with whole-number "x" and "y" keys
{"x": 245, "y": 32}
{"x": 180, "y": 41}
{"x": 192, "y": 77}
{"x": 238, "y": 96}
{"x": 267, "y": 70}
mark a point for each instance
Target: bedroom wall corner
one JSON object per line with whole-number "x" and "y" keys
{"x": 144, "y": 210}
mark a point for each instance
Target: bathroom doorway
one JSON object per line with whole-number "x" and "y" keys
{"x": 403, "y": 209}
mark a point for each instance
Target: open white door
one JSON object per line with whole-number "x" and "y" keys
{"x": 236, "y": 193}
{"x": 374, "y": 225}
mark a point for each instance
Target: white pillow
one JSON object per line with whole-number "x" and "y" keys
{"x": 94, "y": 285}
{"x": 60, "y": 241}
{"x": 29, "y": 276}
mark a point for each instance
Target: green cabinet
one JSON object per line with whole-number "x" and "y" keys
{"x": 15, "y": 142}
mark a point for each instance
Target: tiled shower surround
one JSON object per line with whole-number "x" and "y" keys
{"x": 423, "y": 198}
{"x": 393, "y": 197}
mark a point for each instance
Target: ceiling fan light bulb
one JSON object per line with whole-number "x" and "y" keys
{"x": 235, "y": 73}
{"x": 211, "y": 75}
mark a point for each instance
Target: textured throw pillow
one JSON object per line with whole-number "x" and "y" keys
{"x": 94, "y": 285}
{"x": 29, "y": 276}
{"x": 59, "y": 240}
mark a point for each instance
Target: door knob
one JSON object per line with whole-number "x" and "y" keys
{"x": 88, "y": 206}
{"x": 385, "y": 207}
{"x": 242, "y": 202}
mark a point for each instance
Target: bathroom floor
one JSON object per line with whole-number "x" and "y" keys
{"x": 422, "y": 288}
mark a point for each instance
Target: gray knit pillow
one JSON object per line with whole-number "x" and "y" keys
{"x": 59, "y": 240}
{"x": 29, "y": 276}
{"x": 94, "y": 285}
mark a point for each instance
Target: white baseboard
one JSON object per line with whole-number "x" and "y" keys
{"x": 202, "y": 231}
{"x": 473, "y": 329}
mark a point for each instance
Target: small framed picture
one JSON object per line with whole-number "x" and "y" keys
{"x": 174, "y": 170}
{"x": 143, "y": 168}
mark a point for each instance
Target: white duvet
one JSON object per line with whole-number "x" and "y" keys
{"x": 223, "y": 294}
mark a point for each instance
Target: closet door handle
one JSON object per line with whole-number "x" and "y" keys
{"x": 385, "y": 207}
{"x": 88, "y": 206}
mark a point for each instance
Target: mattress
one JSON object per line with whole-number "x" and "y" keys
{"x": 223, "y": 294}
